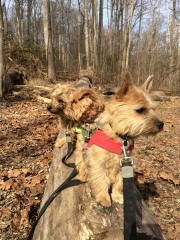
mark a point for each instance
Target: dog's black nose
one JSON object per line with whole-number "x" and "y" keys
{"x": 160, "y": 125}
{"x": 49, "y": 107}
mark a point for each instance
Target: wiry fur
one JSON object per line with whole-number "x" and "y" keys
{"x": 85, "y": 105}
{"x": 60, "y": 95}
{"x": 130, "y": 112}
{"x": 74, "y": 107}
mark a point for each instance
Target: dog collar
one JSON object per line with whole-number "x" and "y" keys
{"x": 102, "y": 140}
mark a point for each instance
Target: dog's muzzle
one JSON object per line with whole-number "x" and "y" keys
{"x": 56, "y": 110}
{"x": 160, "y": 125}
{"x": 52, "y": 110}
{"x": 49, "y": 107}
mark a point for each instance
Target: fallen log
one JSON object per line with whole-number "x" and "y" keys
{"x": 29, "y": 87}
{"x": 74, "y": 215}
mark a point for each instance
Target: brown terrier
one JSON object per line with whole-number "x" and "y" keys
{"x": 60, "y": 95}
{"x": 129, "y": 114}
{"x": 74, "y": 107}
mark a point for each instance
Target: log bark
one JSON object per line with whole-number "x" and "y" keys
{"x": 74, "y": 215}
{"x": 43, "y": 88}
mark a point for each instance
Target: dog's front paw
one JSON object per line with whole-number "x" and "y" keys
{"x": 60, "y": 142}
{"x": 83, "y": 177}
{"x": 82, "y": 170}
{"x": 116, "y": 197}
{"x": 104, "y": 200}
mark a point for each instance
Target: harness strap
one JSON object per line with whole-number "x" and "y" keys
{"x": 101, "y": 139}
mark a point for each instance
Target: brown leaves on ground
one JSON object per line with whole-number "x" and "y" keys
{"x": 157, "y": 168}
{"x": 28, "y": 134}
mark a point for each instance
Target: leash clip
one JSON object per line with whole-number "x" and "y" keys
{"x": 88, "y": 137}
{"x": 126, "y": 162}
{"x": 68, "y": 136}
{"x": 125, "y": 147}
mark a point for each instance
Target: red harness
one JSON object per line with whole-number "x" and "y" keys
{"x": 100, "y": 139}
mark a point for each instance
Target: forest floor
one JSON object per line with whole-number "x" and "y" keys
{"x": 28, "y": 133}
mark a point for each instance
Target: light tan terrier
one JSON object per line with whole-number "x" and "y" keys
{"x": 129, "y": 114}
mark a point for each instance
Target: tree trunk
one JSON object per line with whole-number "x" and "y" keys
{"x": 19, "y": 15}
{"x": 6, "y": 25}
{"x": 35, "y": 34}
{"x": 125, "y": 37}
{"x": 48, "y": 41}
{"x": 74, "y": 215}
{"x": 138, "y": 45}
{"x": 152, "y": 48}
{"x": 171, "y": 29}
{"x": 45, "y": 24}
{"x": 129, "y": 34}
{"x": 178, "y": 60}
{"x": 100, "y": 33}
{"x": 79, "y": 37}
{"x": 86, "y": 32}
{"x": 29, "y": 12}
{"x": 94, "y": 14}
{"x": 2, "y": 58}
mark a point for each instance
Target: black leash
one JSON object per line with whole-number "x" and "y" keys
{"x": 66, "y": 184}
{"x": 70, "y": 150}
{"x": 126, "y": 162}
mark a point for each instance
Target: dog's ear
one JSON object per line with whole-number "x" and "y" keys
{"x": 82, "y": 94}
{"x": 81, "y": 101}
{"x": 127, "y": 84}
{"x": 147, "y": 84}
{"x": 85, "y": 104}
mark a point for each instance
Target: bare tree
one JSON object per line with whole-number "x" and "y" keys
{"x": 5, "y": 20}
{"x": 86, "y": 31}
{"x": 170, "y": 35}
{"x": 125, "y": 36}
{"x": 138, "y": 42}
{"x": 2, "y": 59}
{"x": 95, "y": 32}
{"x": 29, "y": 11}
{"x": 154, "y": 31}
{"x": 129, "y": 12}
{"x": 178, "y": 58}
{"x": 100, "y": 32}
{"x": 48, "y": 41}
{"x": 19, "y": 19}
{"x": 79, "y": 36}
{"x": 61, "y": 34}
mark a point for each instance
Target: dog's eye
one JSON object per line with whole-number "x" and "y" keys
{"x": 141, "y": 110}
{"x": 60, "y": 101}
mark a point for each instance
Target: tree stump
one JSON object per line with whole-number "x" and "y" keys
{"x": 74, "y": 214}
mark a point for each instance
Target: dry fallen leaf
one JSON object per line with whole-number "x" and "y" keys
{"x": 25, "y": 170}
{"x": 14, "y": 173}
{"x": 7, "y": 184}
{"x": 5, "y": 213}
{"x": 35, "y": 180}
{"x": 169, "y": 177}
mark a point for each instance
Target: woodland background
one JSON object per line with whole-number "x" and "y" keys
{"x": 50, "y": 41}
{"x": 65, "y": 36}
